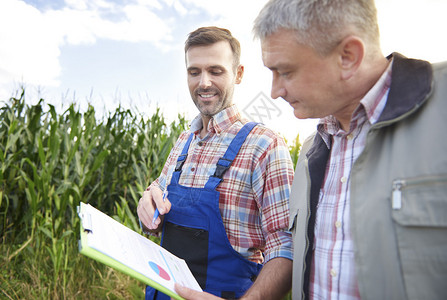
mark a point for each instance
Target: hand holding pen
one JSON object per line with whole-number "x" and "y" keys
{"x": 152, "y": 204}
{"x": 157, "y": 212}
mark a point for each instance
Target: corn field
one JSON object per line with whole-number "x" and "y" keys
{"x": 49, "y": 163}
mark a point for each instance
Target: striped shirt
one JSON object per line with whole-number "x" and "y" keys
{"x": 333, "y": 267}
{"x": 254, "y": 193}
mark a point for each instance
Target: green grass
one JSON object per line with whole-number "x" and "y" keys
{"x": 49, "y": 163}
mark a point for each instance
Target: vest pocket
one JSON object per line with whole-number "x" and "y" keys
{"x": 419, "y": 210}
{"x": 191, "y": 244}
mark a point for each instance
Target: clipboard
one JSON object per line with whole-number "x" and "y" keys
{"x": 117, "y": 246}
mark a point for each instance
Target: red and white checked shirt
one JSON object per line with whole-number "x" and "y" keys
{"x": 333, "y": 270}
{"x": 254, "y": 193}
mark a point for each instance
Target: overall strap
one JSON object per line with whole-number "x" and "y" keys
{"x": 182, "y": 157}
{"x": 225, "y": 162}
{"x": 181, "y": 160}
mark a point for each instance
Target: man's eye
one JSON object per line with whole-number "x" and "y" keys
{"x": 193, "y": 73}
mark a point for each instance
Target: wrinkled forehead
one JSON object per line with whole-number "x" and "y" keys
{"x": 278, "y": 45}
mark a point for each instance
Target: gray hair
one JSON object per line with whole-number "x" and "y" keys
{"x": 320, "y": 24}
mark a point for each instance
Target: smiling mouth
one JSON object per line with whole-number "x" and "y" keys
{"x": 206, "y": 96}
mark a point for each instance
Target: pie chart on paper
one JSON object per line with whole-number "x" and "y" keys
{"x": 159, "y": 271}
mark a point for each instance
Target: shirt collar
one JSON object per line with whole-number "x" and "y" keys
{"x": 375, "y": 100}
{"x": 219, "y": 122}
{"x": 371, "y": 105}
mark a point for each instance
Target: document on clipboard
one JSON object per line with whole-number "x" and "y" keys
{"x": 117, "y": 246}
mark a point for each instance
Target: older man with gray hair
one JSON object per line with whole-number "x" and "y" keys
{"x": 369, "y": 198}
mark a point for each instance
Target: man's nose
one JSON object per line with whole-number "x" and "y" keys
{"x": 205, "y": 80}
{"x": 278, "y": 89}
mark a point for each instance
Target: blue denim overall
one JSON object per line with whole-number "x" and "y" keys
{"x": 194, "y": 231}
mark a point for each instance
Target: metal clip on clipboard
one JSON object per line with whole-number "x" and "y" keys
{"x": 86, "y": 220}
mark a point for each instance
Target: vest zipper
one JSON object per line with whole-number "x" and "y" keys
{"x": 397, "y": 194}
{"x": 399, "y": 184}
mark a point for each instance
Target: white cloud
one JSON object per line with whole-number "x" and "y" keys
{"x": 88, "y": 4}
{"x": 76, "y": 4}
{"x": 150, "y": 3}
{"x": 137, "y": 23}
{"x": 180, "y": 8}
{"x": 242, "y": 11}
{"x": 169, "y": 2}
{"x": 143, "y": 25}
{"x": 31, "y": 39}
{"x": 28, "y": 50}
{"x": 101, "y": 3}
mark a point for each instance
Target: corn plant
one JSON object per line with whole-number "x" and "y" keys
{"x": 294, "y": 149}
{"x": 51, "y": 162}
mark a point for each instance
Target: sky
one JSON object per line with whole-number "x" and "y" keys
{"x": 108, "y": 53}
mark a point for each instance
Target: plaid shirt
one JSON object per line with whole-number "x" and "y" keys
{"x": 333, "y": 267}
{"x": 254, "y": 193}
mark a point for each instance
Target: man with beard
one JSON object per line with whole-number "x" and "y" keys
{"x": 227, "y": 182}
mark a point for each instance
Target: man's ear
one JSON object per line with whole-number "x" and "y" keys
{"x": 351, "y": 53}
{"x": 239, "y": 74}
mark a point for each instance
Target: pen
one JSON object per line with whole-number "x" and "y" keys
{"x": 157, "y": 213}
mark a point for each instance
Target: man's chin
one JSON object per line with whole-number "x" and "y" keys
{"x": 208, "y": 111}
{"x": 299, "y": 114}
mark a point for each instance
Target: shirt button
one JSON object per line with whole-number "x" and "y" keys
{"x": 343, "y": 179}
{"x": 338, "y": 224}
{"x": 193, "y": 169}
{"x": 333, "y": 273}
{"x": 200, "y": 143}
{"x": 349, "y": 136}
